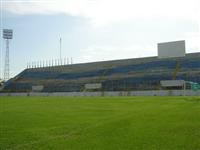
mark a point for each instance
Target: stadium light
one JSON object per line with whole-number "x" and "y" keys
{"x": 7, "y": 35}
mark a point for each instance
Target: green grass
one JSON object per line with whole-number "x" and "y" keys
{"x": 100, "y": 123}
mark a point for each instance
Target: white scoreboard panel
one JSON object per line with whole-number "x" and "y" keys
{"x": 171, "y": 49}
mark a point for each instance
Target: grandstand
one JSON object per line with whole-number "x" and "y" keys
{"x": 117, "y": 75}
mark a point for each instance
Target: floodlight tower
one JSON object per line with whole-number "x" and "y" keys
{"x": 7, "y": 35}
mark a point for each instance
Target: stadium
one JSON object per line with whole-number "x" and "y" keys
{"x": 137, "y": 74}
{"x": 139, "y": 103}
{"x": 99, "y": 75}
{"x": 118, "y": 75}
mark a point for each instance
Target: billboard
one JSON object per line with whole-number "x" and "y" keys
{"x": 93, "y": 86}
{"x": 172, "y": 83}
{"x": 37, "y": 88}
{"x": 7, "y": 33}
{"x": 171, "y": 49}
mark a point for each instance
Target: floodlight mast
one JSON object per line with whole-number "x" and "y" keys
{"x": 7, "y": 35}
{"x": 7, "y": 63}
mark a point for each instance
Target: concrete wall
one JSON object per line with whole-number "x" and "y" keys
{"x": 116, "y": 93}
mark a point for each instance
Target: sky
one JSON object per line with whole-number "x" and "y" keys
{"x": 95, "y": 30}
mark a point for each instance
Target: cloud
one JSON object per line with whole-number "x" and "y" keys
{"x": 105, "y": 11}
{"x": 192, "y": 41}
{"x": 106, "y": 52}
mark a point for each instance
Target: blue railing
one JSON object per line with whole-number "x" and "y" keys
{"x": 156, "y": 65}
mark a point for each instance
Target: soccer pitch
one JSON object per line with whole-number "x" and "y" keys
{"x": 100, "y": 123}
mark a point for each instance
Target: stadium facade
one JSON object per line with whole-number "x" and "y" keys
{"x": 117, "y": 75}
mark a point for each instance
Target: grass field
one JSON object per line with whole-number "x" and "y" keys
{"x": 103, "y": 123}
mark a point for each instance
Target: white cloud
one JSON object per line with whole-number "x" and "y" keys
{"x": 102, "y": 53}
{"x": 102, "y": 12}
{"x": 105, "y": 11}
{"x": 192, "y": 41}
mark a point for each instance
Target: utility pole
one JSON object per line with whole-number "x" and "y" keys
{"x": 60, "y": 48}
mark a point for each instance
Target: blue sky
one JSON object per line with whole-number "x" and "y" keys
{"x": 95, "y": 30}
